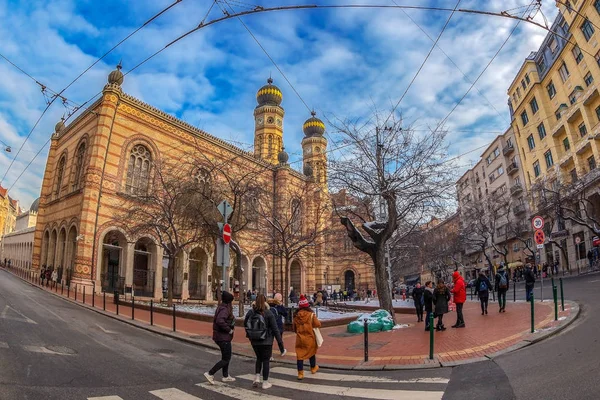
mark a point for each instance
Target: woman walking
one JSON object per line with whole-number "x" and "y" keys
{"x": 306, "y": 341}
{"x": 482, "y": 289}
{"x": 418, "y": 299}
{"x": 441, "y": 297}
{"x": 223, "y": 326}
{"x": 428, "y": 300}
{"x": 261, "y": 328}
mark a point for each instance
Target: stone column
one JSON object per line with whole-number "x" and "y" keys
{"x": 158, "y": 274}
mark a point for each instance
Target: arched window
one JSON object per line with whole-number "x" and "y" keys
{"x": 296, "y": 217}
{"x": 60, "y": 172}
{"x": 270, "y": 144}
{"x": 138, "y": 170}
{"x": 79, "y": 159}
{"x": 202, "y": 178}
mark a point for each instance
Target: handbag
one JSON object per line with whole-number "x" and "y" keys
{"x": 318, "y": 336}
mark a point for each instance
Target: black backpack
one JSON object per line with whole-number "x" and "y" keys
{"x": 256, "y": 326}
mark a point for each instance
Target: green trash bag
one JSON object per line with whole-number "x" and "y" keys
{"x": 387, "y": 324}
{"x": 355, "y": 327}
{"x": 381, "y": 314}
{"x": 375, "y": 325}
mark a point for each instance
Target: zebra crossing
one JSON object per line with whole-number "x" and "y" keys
{"x": 287, "y": 387}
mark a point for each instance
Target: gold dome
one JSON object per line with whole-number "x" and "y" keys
{"x": 269, "y": 95}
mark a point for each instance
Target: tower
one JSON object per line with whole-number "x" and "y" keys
{"x": 268, "y": 119}
{"x": 314, "y": 147}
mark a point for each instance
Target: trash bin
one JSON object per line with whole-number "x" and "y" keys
{"x": 116, "y": 297}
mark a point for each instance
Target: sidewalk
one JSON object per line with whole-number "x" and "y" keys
{"x": 485, "y": 336}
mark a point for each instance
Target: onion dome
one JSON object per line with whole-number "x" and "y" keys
{"x": 308, "y": 170}
{"x": 35, "y": 205}
{"x": 60, "y": 126}
{"x": 116, "y": 77}
{"x": 269, "y": 95}
{"x": 283, "y": 156}
{"x": 313, "y": 126}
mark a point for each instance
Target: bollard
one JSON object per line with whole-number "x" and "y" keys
{"x": 431, "y": 336}
{"x": 93, "y": 294}
{"x": 514, "y": 291}
{"x": 562, "y": 296}
{"x": 555, "y": 293}
{"x": 132, "y": 308}
{"x": 532, "y": 313}
{"x": 84, "y": 295}
{"x": 174, "y": 330}
{"x": 366, "y": 331}
{"x": 69, "y": 292}
{"x": 151, "y": 312}
{"x": 317, "y": 309}
{"x": 117, "y": 304}
{"x": 62, "y": 289}
{"x": 75, "y": 293}
{"x": 104, "y": 301}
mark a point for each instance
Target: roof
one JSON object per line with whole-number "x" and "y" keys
{"x": 3, "y": 191}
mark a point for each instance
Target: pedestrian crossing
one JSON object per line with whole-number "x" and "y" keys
{"x": 287, "y": 387}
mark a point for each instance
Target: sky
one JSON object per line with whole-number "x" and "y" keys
{"x": 344, "y": 64}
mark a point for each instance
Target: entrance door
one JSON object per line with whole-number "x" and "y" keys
{"x": 349, "y": 280}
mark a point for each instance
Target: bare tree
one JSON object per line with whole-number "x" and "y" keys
{"x": 402, "y": 172}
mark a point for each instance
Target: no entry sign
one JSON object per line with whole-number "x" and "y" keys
{"x": 227, "y": 233}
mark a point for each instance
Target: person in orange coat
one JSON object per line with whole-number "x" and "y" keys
{"x": 460, "y": 296}
{"x": 306, "y": 342}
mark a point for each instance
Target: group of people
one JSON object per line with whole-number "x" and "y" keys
{"x": 48, "y": 274}
{"x": 264, "y": 326}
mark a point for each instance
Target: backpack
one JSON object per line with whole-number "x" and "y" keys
{"x": 275, "y": 313}
{"x": 256, "y": 327}
{"x": 483, "y": 287}
{"x": 503, "y": 284}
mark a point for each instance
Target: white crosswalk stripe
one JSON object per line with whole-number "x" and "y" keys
{"x": 354, "y": 378}
{"x": 238, "y": 393}
{"x": 105, "y": 398}
{"x": 173, "y": 394}
{"x": 370, "y": 393}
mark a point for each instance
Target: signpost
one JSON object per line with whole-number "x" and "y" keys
{"x": 577, "y": 243}
{"x": 223, "y": 242}
{"x": 537, "y": 223}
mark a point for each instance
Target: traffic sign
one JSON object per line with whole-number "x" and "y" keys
{"x": 539, "y": 237}
{"x": 537, "y": 222}
{"x": 225, "y": 209}
{"x": 226, "y": 233}
{"x": 540, "y": 246}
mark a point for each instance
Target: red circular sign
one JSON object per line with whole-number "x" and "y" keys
{"x": 539, "y": 236}
{"x": 227, "y": 233}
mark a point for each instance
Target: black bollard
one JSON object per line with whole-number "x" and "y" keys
{"x": 562, "y": 296}
{"x": 84, "y": 295}
{"x": 93, "y": 294}
{"x": 366, "y": 332}
{"x": 104, "y": 300}
{"x": 62, "y": 288}
{"x": 532, "y": 313}
{"x": 555, "y": 294}
{"x": 174, "y": 330}
{"x": 68, "y": 292}
{"x": 132, "y": 308}
{"x": 75, "y": 293}
{"x": 151, "y": 312}
{"x": 431, "y": 336}
{"x": 514, "y": 291}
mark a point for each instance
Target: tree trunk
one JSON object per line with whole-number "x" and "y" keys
{"x": 382, "y": 281}
{"x": 171, "y": 280}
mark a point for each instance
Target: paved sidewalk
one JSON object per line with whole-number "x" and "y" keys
{"x": 485, "y": 336}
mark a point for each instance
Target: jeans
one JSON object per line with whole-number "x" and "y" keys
{"x": 459, "y": 314}
{"x": 502, "y": 298}
{"x": 427, "y": 317}
{"x": 419, "y": 308}
{"x": 263, "y": 355}
{"x": 484, "y": 303}
{"x": 312, "y": 361}
{"x": 528, "y": 292}
{"x": 225, "y": 358}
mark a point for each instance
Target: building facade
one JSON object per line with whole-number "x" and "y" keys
{"x": 9, "y": 209}
{"x": 17, "y": 247}
{"x": 105, "y": 156}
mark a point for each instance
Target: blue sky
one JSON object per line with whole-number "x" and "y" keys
{"x": 344, "y": 63}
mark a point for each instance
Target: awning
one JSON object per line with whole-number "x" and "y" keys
{"x": 515, "y": 264}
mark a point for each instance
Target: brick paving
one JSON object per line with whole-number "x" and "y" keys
{"x": 484, "y": 334}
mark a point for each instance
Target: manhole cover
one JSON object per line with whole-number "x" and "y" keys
{"x": 164, "y": 351}
{"x": 372, "y": 346}
{"x": 61, "y": 349}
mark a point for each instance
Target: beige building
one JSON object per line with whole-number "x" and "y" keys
{"x": 17, "y": 246}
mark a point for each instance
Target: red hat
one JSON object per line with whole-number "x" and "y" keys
{"x": 303, "y": 303}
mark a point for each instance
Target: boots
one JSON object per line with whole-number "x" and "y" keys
{"x": 314, "y": 370}
{"x": 300, "y": 375}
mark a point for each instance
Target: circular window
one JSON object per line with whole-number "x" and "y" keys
{"x": 270, "y": 120}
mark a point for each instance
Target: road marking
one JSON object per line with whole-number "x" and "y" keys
{"x": 173, "y": 394}
{"x": 105, "y": 398}
{"x": 597, "y": 280}
{"x": 379, "y": 394}
{"x": 104, "y": 330}
{"x": 22, "y": 319}
{"x": 43, "y": 350}
{"x": 356, "y": 378}
{"x": 238, "y": 393}
{"x": 3, "y": 345}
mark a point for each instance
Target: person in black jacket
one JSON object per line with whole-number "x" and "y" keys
{"x": 428, "y": 302}
{"x": 417, "y": 296}
{"x": 482, "y": 289}
{"x": 502, "y": 286}
{"x": 529, "y": 282}
{"x": 441, "y": 297}
{"x": 263, "y": 348}
{"x": 223, "y": 325}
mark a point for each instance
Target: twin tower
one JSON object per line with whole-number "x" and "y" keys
{"x": 268, "y": 135}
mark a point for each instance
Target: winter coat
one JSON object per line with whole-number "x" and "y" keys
{"x": 417, "y": 294}
{"x": 306, "y": 342}
{"x": 459, "y": 290}
{"x": 441, "y": 297}
{"x": 428, "y": 296}
{"x": 498, "y": 276}
{"x": 319, "y": 299}
{"x": 272, "y": 330}
{"x": 529, "y": 277}
{"x": 281, "y": 313}
{"x": 488, "y": 284}
{"x": 222, "y": 324}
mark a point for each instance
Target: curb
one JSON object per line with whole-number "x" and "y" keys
{"x": 527, "y": 341}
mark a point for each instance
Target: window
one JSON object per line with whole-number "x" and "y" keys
{"x": 492, "y": 177}
{"x": 517, "y": 181}
{"x": 591, "y": 163}
{"x": 588, "y": 78}
{"x": 598, "y": 112}
{"x": 551, "y": 90}
{"x": 580, "y": 248}
{"x": 541, "y": 130}
{"x": 582, "y": 129}
{"x": 59, "y": 175}
{"x": 509, "y": 142}
{"x": 553, "y": 45}
{"x": 548, "y": 158}
{"x": 489, "y": 159}
{"x": 138, "y": 170}
{"x": 500, "y": 170}
{"x": 527, "y": 78}
{"x": 79, "y": 159}
{"x": 569, "y": 8}
{"x": 515, "y": 247}
{"x": 541, "y": 65}
{"x": 573, "y": 175}
{"x": 518, "y": 93}
{"x": 523, "y": 84}
{"x": 531, "y": 142}
{"x": 557, "y": 114}
{"x": 534, "y": 105}
{"x": 564, "y": 72}
{"x": 496, "y": 152}
{"x": 524, "y": 118}
{"x": 597, "y": 5}
{"x": 536, "y": 169}
{"x": 587, "y": 29}
{"x": 566, "y": 144}
{"x": 573, "y": 97}
{"x": 565, "y": 27}
{"x": 577, "y": 54}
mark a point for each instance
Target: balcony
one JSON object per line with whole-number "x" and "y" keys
{"x": 512, "y": 167}
{"x": 508, "y": 149}
{"x": 516, "y": 189}
{"x": 519, "y": 209}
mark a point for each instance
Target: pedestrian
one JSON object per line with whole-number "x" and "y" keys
{"x": 54, "y": 277}
{"x": 417, "y": 296}
{"x": 306, "y": 341}
{"x": 278, "y": 310}
{"x": 441, "y": 297}
{"x": 529, "y": 282}
{"x": 482, "y": 289}
{"x": 325, "y": 297}
{"x": 335, "y": 295}
{"x": 501, "y": 287}
{"x": 42, "y": 274}
{"x": 261, "y": 329}
{"x": 48, "y": 275}
{"x": 460, "y": 296}
{"x": 319, "y": 299}
{"x": 428, "y": 302}
{"x": 223, "y": 326}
